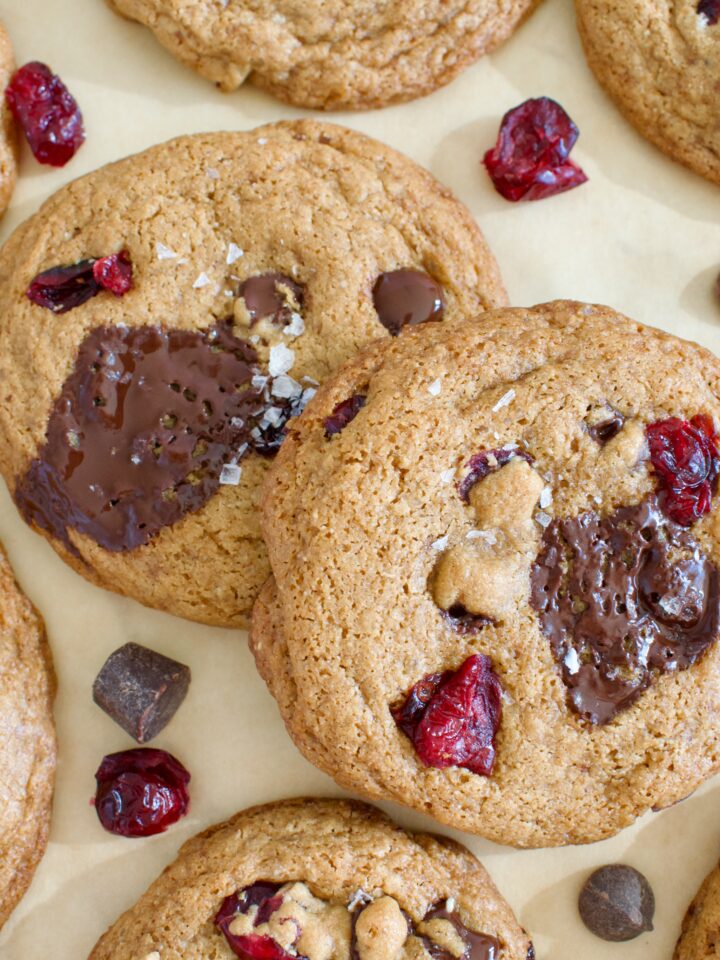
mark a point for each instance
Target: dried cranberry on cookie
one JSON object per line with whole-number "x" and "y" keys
{"x": 318, "y": 880}
{"x": 495, "y": 592}
{"x": 164, "y": 317}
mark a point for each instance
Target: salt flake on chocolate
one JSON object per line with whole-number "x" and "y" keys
{"x": 230, "y": 474}
{"x": 281, "y": 360}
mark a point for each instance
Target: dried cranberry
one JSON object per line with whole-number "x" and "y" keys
{"x": 684, "y": 455}
{"x": 141, "y": 792}
{"x": 47, "y": 112}
{"x": 710, "y": 9}
{"x": 114, "y": 273}
{"x": 63, "y": 288}
{"x": 452, "y": 717}
{"x": 252, "y": 946}
{"x": 486, "y": 462}
{"x": 343, "y": 413}
{"x": 530, "y": 158}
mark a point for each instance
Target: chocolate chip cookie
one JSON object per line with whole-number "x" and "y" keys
{"x": 27, "y": 744}
{"x": 700, "y": 937}
{"x": 343, "y": 54}
{"x": 495, "y": 553}
{"x": 164, "y": 317}
{"x": 318, "y": 879}
{"x": 8, "y": 133}
{"x": 660, "y": 61}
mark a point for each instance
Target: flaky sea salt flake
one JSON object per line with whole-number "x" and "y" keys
{"x": 434, "y": 388}
{"x": 164, "y": 253}
{"x": 504, "y": 400}
{"x": 281, "y": 360}
{"x": 202, "y": 281}
{"x": 441, "y": 542}
{"x": 230, "y": 474}
{"x": 234, "y": 253}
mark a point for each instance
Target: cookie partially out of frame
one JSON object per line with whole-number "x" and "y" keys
{"x": 27, "y": 743}
{"x": 700, "y": 937}
{"x": 136, "y": 429}
{"x": 317, "y": 879}
{"x": 343, "y": 54}
{"x": 8, "y": 133}
{"x": 484, "y": 604}
{"x": 660, "y": 60}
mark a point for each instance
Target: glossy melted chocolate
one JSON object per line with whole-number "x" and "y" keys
{"x": 479, "y": 946}
{"x": 622, "y": 599}
{"x": 407, "y": 297}
{"x": 141, "y": 430}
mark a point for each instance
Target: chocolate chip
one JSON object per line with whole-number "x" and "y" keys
{"x": 478, "y": 946}
{"x": 604, "y": 431}
{"x": 464, "y": 622}
{"x": 407, "y": 297}
{"x": 617, "y": 903}
{"x": 271, "y": 295}
{"x": 141, "y": 690}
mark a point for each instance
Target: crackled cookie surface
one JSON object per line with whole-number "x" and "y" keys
{"x": 164, "y": 317}
{"x": 700, "y": 937}
{"x": 495, "y": 556}
{"x": 323, "y": 880}
{"x": 342, "y": 54}
{"x": 27, "y": 743}
{"x": 659, "y": 61}
{"x": 8, "y": 134}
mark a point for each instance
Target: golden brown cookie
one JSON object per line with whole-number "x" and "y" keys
{"x": 342, "y": 54}
{"x": 660, "y": 61}
{"x": 8, "y": 133}
{"x": 496, "y": 595}
{"x": 27, "y": 744}
{"x": 317, "y": 879}
{"x": 136, "y": 429}
{"x": 700, "y": 937}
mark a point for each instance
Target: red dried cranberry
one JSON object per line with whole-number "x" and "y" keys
{"x": 141, "y": 792}
{"x": 452, "y": 717}
{"x": 530, "y": 158}
{"x": 343, "y": 413}
{"x": 114, "y": 273}
{"x": 252, "y": 946}
{"x": 63, "y": 288}
{"x": 684, "y": 455}
{"x": 480, "y": 465}
{"x": 710, "y": 9}
{"x": 47, "y": 112}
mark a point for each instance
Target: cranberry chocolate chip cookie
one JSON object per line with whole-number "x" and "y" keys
{"x": 496, "y": 595}
{"x": 318, "y": 880}
{"x": 700, "y": 937}
{"x": 164, "y": 317}
{"x": 8, "y": 133}
{"x": 659, "y": 61}
{"x": 330, "y": 54}
{"x": 27, "y": 744}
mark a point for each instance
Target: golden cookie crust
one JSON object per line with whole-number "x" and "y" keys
{"x": 355, "y": 527}
{"x": 8, "y": 133}
{"x": 659, "y": 61}
{"x": 27, "y": 745}
{"x": 336, "y": 847}
{"x": 330, "y": 54}
{"x": 314, "y": 201}
{"x": 700, "y": 937}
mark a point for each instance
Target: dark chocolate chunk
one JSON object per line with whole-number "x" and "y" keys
{"x": 271, "y": 295}
{"x": 622, "y": 599}
{"x": 605, "y": 430}
{"x": 478, "y": 946}
{"x": 141, "y": 690}
{"x": 407, "y": 297}
{"x": 486, "y": 462}
{"x": 141, "y": 430}
{"x": 617, "y": 903}
{"x": 464, "y": 622}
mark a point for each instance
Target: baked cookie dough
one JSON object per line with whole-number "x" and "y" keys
{"x": 481, "y": 607}
{"x": 341, "y": 54}
{"x": 27, "y": 744}
{"x": 660, "y": 62}
{"x": 136, "y": 429}
{"x": 320, "y": 879}
{"x": 700, "y": 937}
{"x": 8, "y": 133}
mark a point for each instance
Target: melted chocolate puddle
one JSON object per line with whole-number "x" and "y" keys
{"x": 142, "y": 429}
{"x": 621, "y": 600}
{"x": 479, "y": 946}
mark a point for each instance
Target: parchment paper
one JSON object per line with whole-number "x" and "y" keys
{"x": 643, "y": 236}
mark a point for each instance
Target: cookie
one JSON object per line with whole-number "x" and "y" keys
{"x": 8, "y": 133}
{"x": 163, "y": 317}
{"x": 318, "y": 879}
{"x": 700, "y": 937}
{"x": 659, "y": 61}
{"x": 496, "y": 595}
{"x": 348, "y": 54}
{"x": 27, "y": 746}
